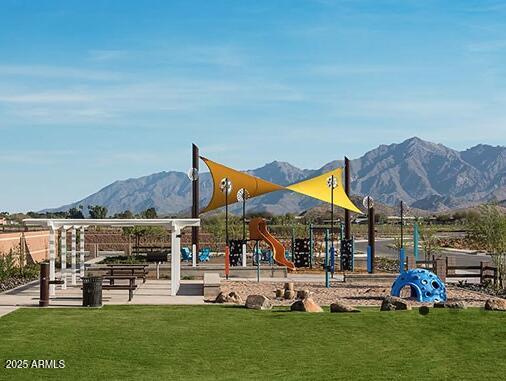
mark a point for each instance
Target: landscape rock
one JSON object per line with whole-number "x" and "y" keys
{"x": 306, "y": 305}
{"x": 289, "y": 286}
{"x": 455, "y": 305}
{"x": 424, "y": 310}
{"x": 231, "y": 297}
{"x": 280, "y": 293}
{"x": 258, "y": 302}
{"x": 495, "y": 305}
{"x": 221, "y": 298}
{"x": 303, "y": 294}
{"x": 234, "y": 297}
{"x": 393, "y": 303}
{"x": 342, "y": 307}
{"x": 289, "y": 294}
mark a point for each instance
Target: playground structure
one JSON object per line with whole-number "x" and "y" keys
{"x": 258, "y": 231}
{"x": 336, "y": 239}
{"x": 425, "y": 286}
{"x": 228, "y": 182}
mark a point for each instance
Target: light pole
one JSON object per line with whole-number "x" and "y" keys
{"x": 368, "y": 203}
{"x": 332, "y": 184}
{"x": 402, "y": 255}
{"x": 243, "y": 195}
{"x": 193, "y": 175}
{"x": 226, "y": 188}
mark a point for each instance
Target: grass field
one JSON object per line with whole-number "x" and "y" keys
{"x": 230, "y": 343}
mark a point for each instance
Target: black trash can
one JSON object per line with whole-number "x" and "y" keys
{"x": 92, "y": 291}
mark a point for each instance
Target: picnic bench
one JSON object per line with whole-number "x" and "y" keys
{"x": 139, "y": 271}
{"x": 131, "y": 286}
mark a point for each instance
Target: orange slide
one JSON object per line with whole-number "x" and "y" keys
{"x": 258, "y": 232}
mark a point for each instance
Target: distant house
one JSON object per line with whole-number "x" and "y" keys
{"x": 3, "y": 221}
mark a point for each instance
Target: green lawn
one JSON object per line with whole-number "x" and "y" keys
{"x": 215, "y": 342}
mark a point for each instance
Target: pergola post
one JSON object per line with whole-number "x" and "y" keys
{"x": 81, "y": 252}
{"x": 63, "y": 257}
{"x": 175, "y": 268}
{"x": 73, "y": 255}
{"x": 52, "y": 257}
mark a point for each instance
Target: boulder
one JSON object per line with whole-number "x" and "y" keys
{"x": 439, "y": 305}
{"x": 495, "y": 305}
{"x": 342, "y": 307}
{"x": 393, "y": 303}
{"x": 303, "y": 294}
{"x": 455, "y": 305}
{"x": 424, "y": 310}
{"x": 231, "y": 297}
{"x": 289, "y": 294}
{"x": 306, "y": 305}
{"x": 289, "y": 286}
{"x": 280, "y": 293}
{"x": 234, "y": 297}
{"x": 258, "y": 302}
{"x": 221, "y": 298}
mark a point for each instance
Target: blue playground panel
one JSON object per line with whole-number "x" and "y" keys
{"x": 425, "y": 285}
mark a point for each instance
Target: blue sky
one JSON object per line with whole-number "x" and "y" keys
{"x": 96, "y": 91}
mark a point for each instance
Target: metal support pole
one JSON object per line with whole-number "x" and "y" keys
{"x": 347, "y": 218}
{"x": 311, "y": 246}
{"x": 416, "y": 237}
{"x": 257, "y": 255}
{"x": 371, "y": 238}
{"x": 327, "y": 281}
{"x": 244, "y": 216}
{"x": 402, "y": 224}
{"x": 227, "y": 249}
{"x": 195, "y": 196}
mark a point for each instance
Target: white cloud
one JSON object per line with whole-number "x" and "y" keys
{"x": 53, "y": 72}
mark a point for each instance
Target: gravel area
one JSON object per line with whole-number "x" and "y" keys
{"x": 357, "y": 294}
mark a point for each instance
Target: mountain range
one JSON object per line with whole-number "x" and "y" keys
{"x": 424, "y": 175}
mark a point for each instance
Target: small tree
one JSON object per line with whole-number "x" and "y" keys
{"x": 75, "y": 213}
{"x": 124, "y": 215}
{"x": 489, "y": 231}
{"x": 97, "y": 211}
{"x": 429, "y": 241}
{"x": 150, "y": 213}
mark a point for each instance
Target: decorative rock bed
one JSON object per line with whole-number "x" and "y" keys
{"x": 353, "y": 295}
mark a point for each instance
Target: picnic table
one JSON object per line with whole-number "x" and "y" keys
{"x": 131, "y": 286}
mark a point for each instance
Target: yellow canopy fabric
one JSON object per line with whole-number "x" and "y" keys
{"x": 252, "y": 184}
{"x": 318, "y": 188}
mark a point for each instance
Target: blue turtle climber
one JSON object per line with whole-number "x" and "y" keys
{"x": 425, "y": 285}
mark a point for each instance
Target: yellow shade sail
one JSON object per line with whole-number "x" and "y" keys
{"x": 237, "y": 180}
{"x": 318, "y": 187}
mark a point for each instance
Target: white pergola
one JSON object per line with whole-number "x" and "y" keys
{"x": 55, "y": 224}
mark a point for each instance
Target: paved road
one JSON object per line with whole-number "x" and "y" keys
{"x": 384, "y": 248}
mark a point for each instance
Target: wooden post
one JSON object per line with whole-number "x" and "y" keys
{"x": 440, "y": 269}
